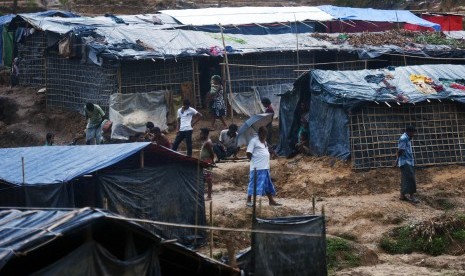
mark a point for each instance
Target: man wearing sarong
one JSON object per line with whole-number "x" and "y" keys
{"x": 258, "y": 152}
{"x": 406, "y": 163}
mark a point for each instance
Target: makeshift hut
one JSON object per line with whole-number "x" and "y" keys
{"x": 361, "y": 114}
{"x": 447, "y": 21}
{"x": 91, "y": 58}
{"x": 138, "y": 180}
{"x": 92, "y": 242}
{"x": 350, "y": 20}
{"x": 30, "y": 46}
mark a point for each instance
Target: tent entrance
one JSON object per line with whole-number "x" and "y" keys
{"x": 375, "y": 130}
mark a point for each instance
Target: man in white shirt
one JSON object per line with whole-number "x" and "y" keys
{"x": 187, "y": 118}
{"x": 227, "y": 144}
{"x": 258, "y": 152}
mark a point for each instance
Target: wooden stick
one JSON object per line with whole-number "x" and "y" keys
{"x": 313, "y": 204}
{"x": 229, "y": 75}
{"x": 211, "y": 230}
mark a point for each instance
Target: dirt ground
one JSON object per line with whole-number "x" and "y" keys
{"x": 359, "y": 205}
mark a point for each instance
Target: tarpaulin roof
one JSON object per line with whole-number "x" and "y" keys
{"x": 23, "y": 231}
{"x": 6, "y": 19}
{"x": 247, "y": 15}
{"x": 63, "y": 25}
{"x": 351, "y": 87}
{"x": 375, "y": 15}
{"x": 58, "y": 164}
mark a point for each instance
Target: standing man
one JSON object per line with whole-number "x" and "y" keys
{"x": 258, "y": 153}
{"x": 408, "y": 186}
{"x": 207, "y": 155}
{"x": 184, "y": 125}
{"x": 14, "y": 77}
{"x": 49, "y": 139}
{"x": 95, "y": 116}
{"x": 268, "y": 109}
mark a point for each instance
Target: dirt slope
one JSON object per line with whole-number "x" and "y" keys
{"x": 359, "y": 205}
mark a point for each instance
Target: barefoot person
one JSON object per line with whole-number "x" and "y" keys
{"x": 207, "y": 155}
{"x": 95, "y": 116}
{"x": 406, "y": 163}
{"x": 258, "y": 152}
{"x": 218, "y": 107}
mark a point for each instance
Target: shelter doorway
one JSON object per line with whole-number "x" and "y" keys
{"x": 208, "y": 67}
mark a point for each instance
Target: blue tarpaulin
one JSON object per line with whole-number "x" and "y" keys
{"x": 59, "y": 164}
{"x": 364, "y": 14}
{"x": 334, "y": 94}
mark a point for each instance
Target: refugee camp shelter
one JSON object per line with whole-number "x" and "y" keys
{"x": 92, "y": 242}
{"x": 447, "y": 21}
{"x": 138, "y": 180}
{"x": 350, "y": 20}
{"x": 91, "y": 58}
{"x": 32, "y": 50}
{"x": 361, "y": 114}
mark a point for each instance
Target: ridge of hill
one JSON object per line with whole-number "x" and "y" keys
{"x": 151, "y": 6}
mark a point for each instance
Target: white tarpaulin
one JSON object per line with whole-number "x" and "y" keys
{"x": 130, "y": 112}
{"x": 247, "y": 15}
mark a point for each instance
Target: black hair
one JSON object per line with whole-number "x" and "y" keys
{"x": 156, "y": 129}
{"x": 266, "y": 101}
{"x": 90, "y": 106}
{"x": 232, "y": 127}
{"x": 149, "y": 125}
{"x": 186, "y": 102}
{"x": 410, "y": 129}
{"x": 205, "y": 130}
{"x": 49, "y": 136}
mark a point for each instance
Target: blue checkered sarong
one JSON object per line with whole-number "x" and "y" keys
{"x": 264, "y": 184}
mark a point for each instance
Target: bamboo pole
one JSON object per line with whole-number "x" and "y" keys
{"x": 313, "y": 204}
{"x": 228, "y": 73}
{"x": 22, "y": 166}
{"x": 297, "y": 42}
{"x": 211, "y": 231}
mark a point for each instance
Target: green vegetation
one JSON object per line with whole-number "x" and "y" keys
{"x": 229, "y": 38}
{"x": 433, "y": 237}
{"x": 437, "y": 38}
{"x": 340, "y": 254}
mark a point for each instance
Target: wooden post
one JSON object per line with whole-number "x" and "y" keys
{"x": 142, "y": 159}
{"x": 119, "y": 78}
{"x": 22, "y": 166}
{"x": 254, "y": 219}
{"x": 228, "y": 73}
{"x": 313, "y": 204}
{"x": 297, "y": 42}
{"x": 323, "y": 210}
{"x": 211, "y": 230}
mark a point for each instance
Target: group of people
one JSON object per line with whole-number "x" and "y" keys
{"x": 258, "y": 150}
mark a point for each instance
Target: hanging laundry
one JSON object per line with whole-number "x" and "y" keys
{"x": 456, "y": 84}
{"x": 425, "y": 84}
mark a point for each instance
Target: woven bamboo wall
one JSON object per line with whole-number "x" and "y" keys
{"x": 440, "y": 138}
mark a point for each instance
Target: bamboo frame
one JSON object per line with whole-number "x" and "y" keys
{"x": 375, "y": 130}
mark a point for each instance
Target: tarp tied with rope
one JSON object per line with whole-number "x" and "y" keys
{"x": 140, "y": 180}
